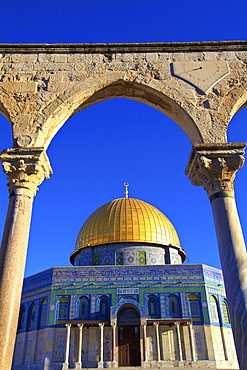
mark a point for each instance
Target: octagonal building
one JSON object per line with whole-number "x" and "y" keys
{"x": 128, "y": 300}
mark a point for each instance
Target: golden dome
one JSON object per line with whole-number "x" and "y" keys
{"x": 127, "y": 220}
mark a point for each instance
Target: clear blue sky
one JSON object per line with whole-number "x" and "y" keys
{"x": 120, "y": 140}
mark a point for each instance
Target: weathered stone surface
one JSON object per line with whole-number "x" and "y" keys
{"x": 42, "y": 85}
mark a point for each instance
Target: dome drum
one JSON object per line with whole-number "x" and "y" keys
{"x": 127, "y": 254}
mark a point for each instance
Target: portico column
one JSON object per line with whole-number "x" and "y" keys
{"x": 78, "y": 364}
{"x": 25, "y": 169}
{"x": 144, "y": 328}
{"x": 192, "y": 341}
{"x": 113, "y": 325}
{"x": 101, "y": 349}
{"x": 66, "y": 361}
{"x": 156, "y": 326}
{"x": 214, "y": 166}
{"x": 180, "y": 354}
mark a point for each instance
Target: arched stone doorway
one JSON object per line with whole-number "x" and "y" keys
{"x": 129, "y": 353}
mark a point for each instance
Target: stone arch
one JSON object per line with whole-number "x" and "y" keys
{"x": 225, "y": 312}
{"x": 4, "y": 112}
{"x": 93, "y": 90}
{"x": 32, "y": 313}
{"x": 153, "y": 306}
{"x": 240, "y": 103}
{"x": 5, "y": 120}
{"x": 174, "y": 305}
{"x": 128, "y": 314}
{"x": 214, "y": 309}
{"x": 128, "y": 302}
{"x": 83, "y": 307}
{"x": 104, "y": 307}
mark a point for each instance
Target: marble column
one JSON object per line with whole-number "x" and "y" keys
{"x": 25, "y": 169}
{"x": 78, "y": 364}
{"x": 113, "y": 326}
{"x": 180, "y": 353}
{"x": 156, "y": 326}
{"x": 214, "y": 166}
{"x": 101, "y": 347}
{"x": 66, "y": 360}
{"x": 192, "y": 341}
{"x": 144, "y": 330}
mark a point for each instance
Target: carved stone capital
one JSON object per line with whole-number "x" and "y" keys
{"x": 214, "y": 166}
{"x": 25, "y": 169}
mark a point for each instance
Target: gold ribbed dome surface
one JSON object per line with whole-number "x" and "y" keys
{"x": 127, "y": 220}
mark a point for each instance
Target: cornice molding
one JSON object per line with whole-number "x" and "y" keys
{"x": 174, "y": 47}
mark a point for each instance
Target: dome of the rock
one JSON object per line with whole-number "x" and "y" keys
{"x": 127, "y": 220}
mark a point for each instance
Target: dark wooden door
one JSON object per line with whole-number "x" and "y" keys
{"x": 129, "y": 346}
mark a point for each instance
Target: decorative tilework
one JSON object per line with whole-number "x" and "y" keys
{"x": 162, "y": 305}
{"x": 85, "y": 261}
{"x": 155, "y": 258}
{"x": 59, "y": 346}
{"x": 200, "y": 343}
{"x": 130, "y": 258}
{"x": 96, "y": 259}
{"x": 142, "y": 258}
{"x": 134, "y": 297}
{"x": 184, "y": 304}
{"x": 119, "y": 258}
{"x": 39, "y": 353}
{"x": 93, "y": 303}
{"x": 30, "y": 343}
{"x": 166, "y": 273}
{"x": 115, "y": 309}
{"x": 72, "y": 306}
{"x": 108, "y": 258}
{"x": 175, "y": 258}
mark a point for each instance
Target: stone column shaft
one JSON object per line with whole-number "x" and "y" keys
{"x": 66, "y": 361}
{"x": 113, "y": 325}
{"x": 192, "y": 342}
{"x": 180, "y": 353}
{"x": 156, "y": 326}
{"x": 25, "y": 170}
{"x": 214, "y": 167}
{"x": 12, "y": 253}
{"x": 101, "y": 348}
{"x": 144, "y": 342}
{"x": 80, "y": 326}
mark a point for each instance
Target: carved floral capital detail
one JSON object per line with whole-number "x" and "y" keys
{"x": 214, "y": 166}
{"x": 25, "y": 168}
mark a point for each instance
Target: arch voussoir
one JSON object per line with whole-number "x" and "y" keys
{"x": 93, "y": 91}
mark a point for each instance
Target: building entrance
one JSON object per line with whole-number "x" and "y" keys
{"x": 129, "y": 337}
{"x": 129, "y": 346}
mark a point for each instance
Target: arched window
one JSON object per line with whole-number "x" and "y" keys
{"x": 63, "y": 308}
{"x": 194, "y": 304}
{"x": 174, "y": 306}
{"x": 153, "y": 307}
{"x": 32, "y": 316}
{"x": 21, "y": 322}
{"x": 225, "y": 312}
{"x": 43, "y": 313}
{"x": 83, "y": 308}
{"x": 104, "y": 308}
{"x": 214, "y": 309}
